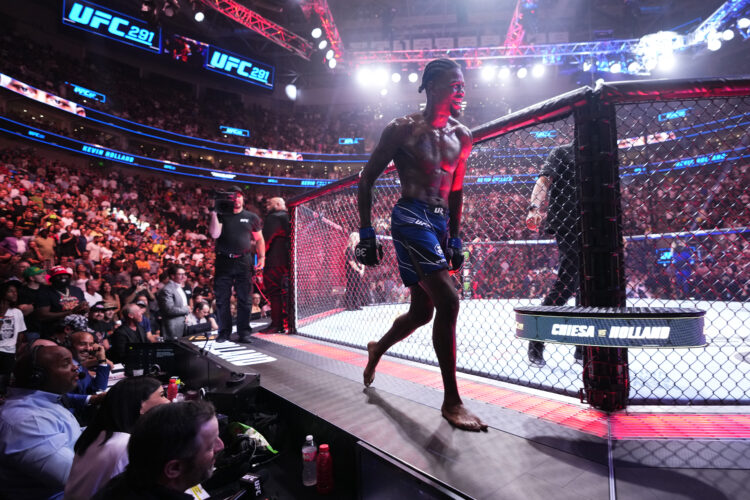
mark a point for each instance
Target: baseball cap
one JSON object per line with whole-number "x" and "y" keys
{"x": 235, "y": 189}
{"x": 32, "y": 271}
{"x": 142, "y": 303}
{"x": 99, "y": 306}
{"x": 58, "y": 270}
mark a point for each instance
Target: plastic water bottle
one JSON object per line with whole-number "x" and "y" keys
{"x": 325, "y": 470}
{"x": 309, "y": 454}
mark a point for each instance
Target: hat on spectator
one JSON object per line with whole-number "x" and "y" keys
{"x": 58, "y": 270}
{"x": 99, "y": 306}
{"x": 142, "y": 303}
{"x": 235, "y": 189}
{"x": 77, "y": 322}
{"x": 32, "y": 271}
{"x": 108, "y": 306}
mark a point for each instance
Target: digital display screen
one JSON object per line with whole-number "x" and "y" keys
{"x": 186, "y": 50}
{"x": 242, "y": 68}
{"x": 672, "y": 115}
{"x": 544, "y": 134}
{"x": 348, "y": 141}
{"x": 234, "y": 131}
{"x": 101, "y": 21}
{"x": 665, "y": 256}
{"x": 87, "y": 93}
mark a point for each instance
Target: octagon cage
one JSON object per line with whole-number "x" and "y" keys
{"x": 679, "y": 150}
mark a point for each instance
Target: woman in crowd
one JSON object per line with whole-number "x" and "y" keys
{"x": 102, "y": 450}
{"x": 109, "y": 296}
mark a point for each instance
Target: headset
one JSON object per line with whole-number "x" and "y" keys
{"x": 38, "y": 375}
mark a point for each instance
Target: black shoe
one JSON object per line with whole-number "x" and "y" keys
{"x": 221, "y": 338}
{"x": 578, "y": 354}
{"x": 273, "y": 329}
{"x": 245, "y": 339}
{"x": 536, "y": 354}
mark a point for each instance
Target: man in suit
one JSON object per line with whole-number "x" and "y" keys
{"x": 130, "y": 332}
{"x": 173, "y": 303}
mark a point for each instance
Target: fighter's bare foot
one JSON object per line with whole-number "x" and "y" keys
{"x": 372, "y": 362}
{"x": 460, "y": 417}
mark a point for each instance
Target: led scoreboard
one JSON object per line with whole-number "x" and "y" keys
{"x": 95, "y": 19}
{"x": 239, "y": 67}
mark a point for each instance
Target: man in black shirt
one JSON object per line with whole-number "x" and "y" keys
{"x": 235, "y": 233}
{"x": 130, "y": 332}
{"x": 558, "y": 179}
{"x": 276, "y": 272}
{"x": 59, "y": 300}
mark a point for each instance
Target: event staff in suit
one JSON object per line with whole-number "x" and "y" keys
{"x": 173, "y": 303}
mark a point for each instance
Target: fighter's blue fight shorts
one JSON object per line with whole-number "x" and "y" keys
{"x": 420, "y": 233}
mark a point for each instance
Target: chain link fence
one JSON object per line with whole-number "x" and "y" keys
{"x": 684, "y": 178}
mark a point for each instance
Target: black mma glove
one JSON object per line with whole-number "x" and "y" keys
{"x": 454, "y": 255}
{"x": 369, "y": 251}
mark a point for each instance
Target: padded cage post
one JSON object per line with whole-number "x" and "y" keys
{"x": 606, "y": 381}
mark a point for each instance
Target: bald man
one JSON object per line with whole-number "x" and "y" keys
{"x": 276, "y": 272}
{"x": 37, "y": 432}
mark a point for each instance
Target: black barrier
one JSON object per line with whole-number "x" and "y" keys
{"x": 643, "y": 160}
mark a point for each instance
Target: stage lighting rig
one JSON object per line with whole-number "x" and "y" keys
{"x": 170, "y": 7}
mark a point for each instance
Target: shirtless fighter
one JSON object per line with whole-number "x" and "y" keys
{"x": 430, "y": 151}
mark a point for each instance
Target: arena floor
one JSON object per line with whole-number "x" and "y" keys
{"x": 718, "y": 373}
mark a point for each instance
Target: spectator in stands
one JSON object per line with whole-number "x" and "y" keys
{"x": 59, "y": 300}
{"x": 37, "y": 432}
{"x": 100, "y": 328}
{"x": 129, "y": 332}
{"x": 256, "y": 309}
{"x": 101, "y": 452}
{"x": 89, "y": 356}
{"x": 44, "y": 246}
{"x": 91, "y": 292}
{"x": 172, "y": 448}
{"x": 201, "y": 316}
{"x": 34, "y": 278}
{"x": 16, "y": 244}
{"x": 109, "y": 296}
{"x": 10, "y": 328}
{"x": 173, "y": 303}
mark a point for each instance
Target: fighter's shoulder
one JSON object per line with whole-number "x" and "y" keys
{"x": 461, "y": 129}
{"x": 404, "y": 123}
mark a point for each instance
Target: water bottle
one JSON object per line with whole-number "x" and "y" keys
{"x": 325, "y": 470}
{"x": 309, "y": 454}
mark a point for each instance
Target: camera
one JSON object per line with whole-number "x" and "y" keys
{"x": 224, "y": 202}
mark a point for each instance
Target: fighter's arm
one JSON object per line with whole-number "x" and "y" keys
{"x": 260, "y": 249}
{"x": 390, "y": 140}
{"x": 538, "y": 195}
{"x": 456, "y": 195}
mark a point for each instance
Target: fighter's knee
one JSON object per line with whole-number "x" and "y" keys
{"x": 448, "y": 304}
{"x": 421, "y": 317}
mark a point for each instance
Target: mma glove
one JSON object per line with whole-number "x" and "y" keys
{"x": 454, "y": 254}
{"x": 369, "y": 251}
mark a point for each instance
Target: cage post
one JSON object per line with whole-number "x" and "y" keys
{"x": 606, "y": 380}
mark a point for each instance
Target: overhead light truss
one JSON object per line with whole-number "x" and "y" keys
{"x": 264, "y": 27}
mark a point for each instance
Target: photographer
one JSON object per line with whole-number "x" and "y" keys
{"x": 235, "y": 230}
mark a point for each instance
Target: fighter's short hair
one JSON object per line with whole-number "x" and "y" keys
{"x": 436, "y": 68}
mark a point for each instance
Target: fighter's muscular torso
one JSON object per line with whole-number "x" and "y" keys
{"x": 427, "y": 157}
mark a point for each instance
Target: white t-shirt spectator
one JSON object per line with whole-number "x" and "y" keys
{"x": 92, "y": 299}
{"x": 12, "y": 324}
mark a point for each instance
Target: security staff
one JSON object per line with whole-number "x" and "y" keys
{"x": 236, "y": 233}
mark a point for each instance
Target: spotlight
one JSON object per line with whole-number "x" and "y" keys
{"x": 503, "y": 73}
{"x": 170, "y": 7}
{"x": 714, "y": 44}
{"x": 380, "y": 77}
{"x": 316, "y": 33}
{"x": 199, "y": 16}
{"x": 291, "y": 91}
{"x": 364, "y": 76}
{"x": 148, "y": 6}
{"x": 396, "y": 77}
{"x": 522, "y": 72}
{"x": 727, "y": 35}
{"x": 634, "y": 67}
{"x": 332, "y": 63}
{"x": 413, "y": 77}
{"x": 537, "y": 71}
{"x": 743, "y": 23}
{"x": 666, "y": 62}
{"x": 329, "y": 54}
{"x": 615, "y": 67}
{"x": 323, "y": 44}
{"x": 650, "y": 63}
{"x": 383, "y": 92}
{"x": 586, "y": 66}
{"x": 488, "y": 73}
